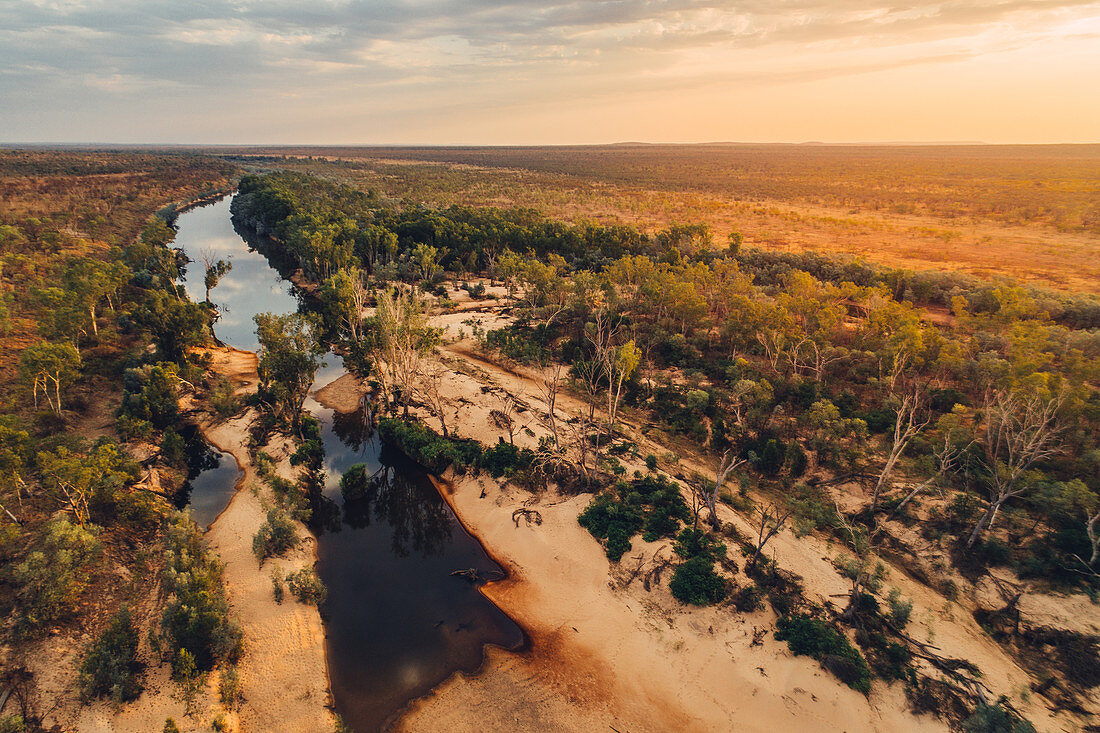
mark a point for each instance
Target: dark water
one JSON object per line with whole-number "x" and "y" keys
{"x": 397, "y": 622}
{"x": 211, "y": 479}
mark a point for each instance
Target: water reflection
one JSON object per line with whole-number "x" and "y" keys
{"x": 417, "y": 519}
{"x": 397, "y": 622}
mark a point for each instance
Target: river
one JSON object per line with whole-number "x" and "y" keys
{"x": 397, "y": 623}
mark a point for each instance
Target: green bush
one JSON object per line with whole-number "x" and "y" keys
{"x": 276, "y": 536}
{"x": 692, "y": 542}
{"x": 170, "y": 726}
{"x": 307, "y": 587}
{"x": 695, "y": 582}
{"x": 110, "y": 666}
{"x": 651, "y": 462}
{"x": 173, "y": 449}
{"x": 229, "y": 689}
{"x": 13, "y": 724}
{"x": 812, "y": 637}
{"x": 196, "y": 617}
{"x": 652, "y": 504}
{"x": 613, "y": 521}
{"x": 995, "y": 718}
{"x": 52, "y": 577}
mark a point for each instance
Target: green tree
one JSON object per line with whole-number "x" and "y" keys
{"x": 89, "y": 281}
{"x": 290, "y": 347}
{"x": 48, "y": 368}
{"x": 83, "y": 480}
{"x": 111, "y": 666}
{"x": 53, "y": 576}
{"x": 175, "y": 325}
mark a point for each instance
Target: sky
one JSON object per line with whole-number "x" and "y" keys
{"x": 548, "y": 71}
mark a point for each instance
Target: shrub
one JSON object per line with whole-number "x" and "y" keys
{"x": 13, "y": 724}
{"x": 692, "y": 542}
{"x": 900, "y": 609}
{"x": 812, "y": 637}
{"x": 52, "y": 577}
{"x": 748, "y": 599}
{"x": 613, "y": 521}
{"x": 277, "y": 586}
{"x": 196, "y": 617}
{"x": 995, "y": 718}
{"x": 275, "y": 537}
{"x": 229, "y": 689}
{"x": 172, "y": 447}
{"x": 307, "y": 587}
{"x": 695, "y": 582}
{"x": 223, "y": 398}
{"x": 504, "y": 459}
{"x": 651, "y": 462}
{"x": 110, "y": 666}
{"x": 418, "y": 442}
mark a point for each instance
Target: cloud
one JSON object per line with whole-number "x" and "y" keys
{"x": 142, "y": 58}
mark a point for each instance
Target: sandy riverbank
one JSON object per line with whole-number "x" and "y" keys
{"x": 607, "y": 654}
{"x": 283, "y": 670}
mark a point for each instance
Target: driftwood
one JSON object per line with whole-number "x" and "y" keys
{"x": 474, "y": 575}
{"x": 531, "y": 516}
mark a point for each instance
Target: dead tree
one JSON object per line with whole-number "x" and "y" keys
{"x": 429, "y": 392}
{"x": 1019, "y": 432}
{"x": 771, "y": 520}
{"x": 725, "y": 467}
{"x": 549, "y": 384}
{"x": 504, "y": 417}
{"x": 906, "y": 427}
{"x": 947, "y": 460}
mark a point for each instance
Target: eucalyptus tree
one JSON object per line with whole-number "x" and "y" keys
{"x": 290, "y": 351}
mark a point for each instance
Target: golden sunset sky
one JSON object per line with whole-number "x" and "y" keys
{"x": 530, "y": 72}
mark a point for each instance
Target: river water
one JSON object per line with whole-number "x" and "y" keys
{"x": 397, "y": 623}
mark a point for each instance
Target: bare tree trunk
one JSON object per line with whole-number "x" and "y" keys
{"x": 906, "y": 428}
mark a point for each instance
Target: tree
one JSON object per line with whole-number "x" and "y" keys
{"x": 53, "y": 576}
{"x": 290, "y": 347}
{"x": 906, "y": 427}
{"x": 343, "y": 299}
{"x": 176, "y": 325}
{"x": 400, "y": 338}
{"x": 726, "y": 465}
{"x": 771, "y": 519}
{"x": 429, "y": 391}
{"x": 1019, "y": 431}
{"x": 111, "y": 665}
{"x": 79, "y": 480}
{"x": 88, "y": 281}
{"x": 49, "y": 367}
{"x": 213, "y": 271}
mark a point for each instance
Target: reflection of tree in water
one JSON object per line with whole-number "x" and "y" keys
{"x": 200, "y": 457}
{"x": 354, "y": 429}
{"x": 413, "y": 510}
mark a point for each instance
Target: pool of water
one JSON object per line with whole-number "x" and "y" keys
{"x": 397, "y": 622}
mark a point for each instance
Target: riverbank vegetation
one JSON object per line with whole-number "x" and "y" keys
{"x": 804, "y": 384}
{"x": 93, "y": 361}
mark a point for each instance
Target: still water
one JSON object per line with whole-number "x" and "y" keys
{"x": 397, "y": 622}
